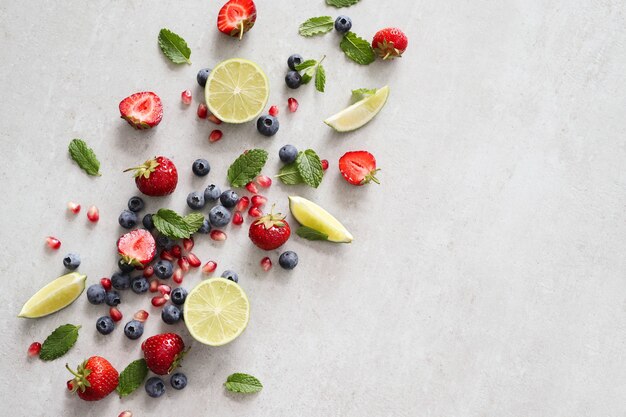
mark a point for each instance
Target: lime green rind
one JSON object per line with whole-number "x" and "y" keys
{"x": 54, "y": 296}
{"x": 360, "y": 113}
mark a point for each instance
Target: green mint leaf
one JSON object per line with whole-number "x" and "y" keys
{"x": 244, "y": 383}
{"x": 306, "y": 64}
{"x": 132, "y": 377}
{"x": 357, "y": 49}
{"x": 84, "y": 156}
{"x": 310, "y": 168}
{"x": 172, "y": 224}
{"x": 59, "y": 342}
{"x": 320, "y": 78}
{"x": 290, "y": 175}
{"x": 316, "y": 26}
{"x": 174, "y": 47}
{"x": 246, "y": 167}
{"x": 193, "y": 221}
{"x": 341, "y": 3}
{"x": 361, "y": 93}
{"x": 307, "y": 75}
{"x": 310, "y": 234}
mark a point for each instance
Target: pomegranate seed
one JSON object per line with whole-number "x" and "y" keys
{"x": 158, "y": 301}
{"x": 293, "y": 104}
{"x": 70, "y": 385}
{"x": 218, "y": 235}
{"x": 194, "y": 261}
{"x": 164, "y": 289}
{"x": 141, "y": 315}
{"x": 34, "y": 349}
{"x": 148, "y": 272}
{"x": 202, "y": 111}
{"x": 176, "y": 251}
{"x": 74, "y": 208}
{"x": 214, "y": 119}
{"x": 125, "y": 414}
{"x": 115, "y": 314}
{"x": 167, "y": 255}
{"x": 273, "y": 111}
{"x": 53, "y": 242}
{"x": 93, "y": 214}
{"x": 106, "y": 283}
{"x": 237, "y": 218}
{"x": 324, "y": 164}
{"x": 215, "y": 135}
{"x": 266, "y": 264}
{"x": 255, "y": 212}
{"x": 251, "y": 187}
{"x": 264, "y": 181}
{"x": 178, "y": 276}
{"x": 258, "y": 200}
{"x": 185, "y": 96}
{"x": 183, "y": 263}
{"x": 154, "y": 285}
{"x": 209, "y": 267}
{"x": 242, "y": 204}
{"x": 188, "y": 244}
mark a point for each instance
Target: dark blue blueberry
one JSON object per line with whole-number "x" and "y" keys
{"x": 229, "y": 198}
{"x": 195, "y": 200}
{"x": 202, "y": 76}
{"x": 178, "y": 296}
{"x": 112, "y": 298}
{"x": 178, "y": 380}
{"x": 212, "y": 193}
{"x": 288, "y": 154}
{"x": 124, "y": 267}
{"x": 155, "y": 387}
{"x": 163, "y": 269}
{"x": 205, "y": 228}
{"x": 133, "y": 329}
{"x": 96, "y": 294}
{"x": 231, "y": 275}
{"x": 105, "y": 325}
{"x": 343, "y": 24}
{"x": 267, "y": 125}
{"x": 201, "y": 167}
{"x": 293, "y": 79}
{"x": 136, "y": 204}
{"x": 147, "y": 222}
{"x": 139, "y": 285}
{"x": 120, "y": 281}
{"x": 219, "y": 216}
{"x": 71, "y": 261}
{"x": 164, "y": 242}
{"x": 288, "y": 260}
{"x": 170, "y": 314}
{"x": 127, "y": 219}
{"x": 293, "y": 61}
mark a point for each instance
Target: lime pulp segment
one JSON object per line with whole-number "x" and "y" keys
{"x": 309, "y": 214}
{"x": 360, "y": 113}
{"x": 54, "y": 296}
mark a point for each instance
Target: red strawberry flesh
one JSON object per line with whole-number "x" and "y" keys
{"x": 137, "y": 247}
{"x": 236, "y": 17}
{"x": 358, "y": 167}
{"x": 142, "y": 110}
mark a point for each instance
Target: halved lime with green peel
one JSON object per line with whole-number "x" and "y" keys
{"x": 53, "y": 297}
{"x": 360, "y": 112}
{"x": 237, "y": 90}
{"x": 309, "y": 214}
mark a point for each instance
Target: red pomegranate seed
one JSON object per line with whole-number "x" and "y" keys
{"x": 53, "y": 242}
{"x": 70, "y": 385}
{"x": 242, "y": 204}
{"x": 34, "y": 349}
{"x": 251, "y": 187}
{"x": 183, "y": 263}
{"x": 167, "y": 255}
{"x": 125, "y": 414}
{"x": 237, "y": 218}
{"x": 106, "y": 283}
{"x": 178, "y": 276}
{"x": 188, "y": 244}
{"x": 115, "y": 314}
{"x": 194, "y": 261}
{"x": 293, "y": 104}
{"x": 74, "y": 208}
{"x": 264, "y": 181}
{"x": 255, "y": 212}
{"x": 202, "y": 111}
{"x": 214, "y": 119}
{"x": 93, "y": 214}
{"x": 266, "y": 264}
{"x": 176, "y": 251}
{"x": 218, "y": 235}
{"x": 164, "y": 289}
{"x": 185, "y": 96}
{"x": 324, "y": 164}
{"x": 258, "y": 201}
{"x": 273, "y": 111}
{"x": 215, "y": 135}
{"x": 148, "y": 271}
{"x": 158, "y": 301}
{"x": 209, "y": 267}
{"x": 141, "y": 315}
{"x": 154, "y": 285}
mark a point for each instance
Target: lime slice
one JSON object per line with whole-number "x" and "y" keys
{"x": 216, "y": 311}
{"x": 309, "y": 214}
{"x": 237, "y": 90}
{"x": 360, "y": 112}
{"x": 53, "y": 297}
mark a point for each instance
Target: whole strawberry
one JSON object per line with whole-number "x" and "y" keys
{"x": 236, "y": 17}
{"x": 137, "y": 248}
{"x": 358, "y": 167}
{"x": 270, "y": 231}
{"x": 94, "y": 379}
{"x": 390, "y": 43}
{"x": 142, "y": 110}
{"x": 163, "y": 352}
{"x": 156, "y": 177}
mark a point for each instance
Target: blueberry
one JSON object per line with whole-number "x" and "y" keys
{"x": 229, "y": 198}
{"x": 164, "y": 242}
{"x": 139, "y": 285}
{"x": 293, "y": 61}
{"x": 147, "y": 222}
{"x": 155, "y": 387}
{"x": 124, "y": 267}
{"x": 105, "y": 325}
{"x": 293, "y": 79}
{"x": 71, "y": 261}
{"x": 120, "y": 281}
{"x": 178, "y": 380}
{"x": 201, "y": 167}
{"x": 231, "y": 275}
{"x": 96, "y": 294}
{"x": 133, "y": 329}
{"x": 267, "y": 125}
{"x": 343, "y": 24}
{"x": 178, "y": 296}
{"x": 202, "y": 76}
{"x": 136, "y": 204}
{"x": 195, "y": 200}
{"x": 163, "y": 269}
{"x": 112, "y": 298}
{"x": 288, "y": 154}
{"x": 205, "y": 228}
{"x": 127, "y": 219}
{"x": 288, "y": 260}
{"x": 170, "y": 314}
{"x": 212, "y": 193}
{"x": 219, "y": 216}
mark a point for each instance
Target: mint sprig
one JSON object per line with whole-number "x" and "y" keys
{"x": 341, "y": 3}
{"x": 59, "y": 342}
{"x": 132, "y": 377}
{"x": 173, "y": 225}
{"x": 174, "y": 47}
{"x": 246, "y": 167}
{"x": 360, "y": 93}
{"x": 357, "y": 49}
{"x": 310, "y": 234}
{"x": 316, "y": 26}
{"x": 307, "y": 169}
{"x": 243, "y": 383}
{"x": 312, "y": 68}
{"x": 84, "y": 156}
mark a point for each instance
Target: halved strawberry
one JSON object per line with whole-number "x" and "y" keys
{"x": 137, "y": 247}
{"x": 142, "y": 110}
{"x": 236, "y": 17}
{"x": 358, "y": 167}
{"x": 390, "y": 43}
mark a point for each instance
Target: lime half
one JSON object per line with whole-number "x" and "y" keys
{"x": 309, "y": 214}
{"x": 360, "y": 112}
{"x": 237, "y": 90}
{"x": 216, "y": 311}
{"x": 53, "y": 297}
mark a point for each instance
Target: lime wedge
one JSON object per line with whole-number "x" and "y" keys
{"x": 360, "y": 112}
{"x": 237, "y": 90}
{"x": 53, "y": 297}
{"x": 309, "y": 214}
{"x": 216, "y": 311}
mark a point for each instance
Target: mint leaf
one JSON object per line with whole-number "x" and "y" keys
{"x": 306, "y": 64}
{"x": 310, "y": 167}
{"x": 84, "y": 156}
{"x": 193, "y": 221}
{"x": 357, "y": 49}
{"x": 316, "y": 26}
{"x": 174, "y": 47}
{"x": 243, "y": 383}
{"x": 320, "y": 78}
{"x": 132, "y": 377}
{"x": 59, "y": 342}
{"x": 361, "y": 93}
{"x": 246, "y": 167}
{"x": 307, "y": 75}
{"x": 173, "y": 225}
{"x": 341, "y": 3}
{"x": 290, "y": 175}
{"x": 310, "y": 234}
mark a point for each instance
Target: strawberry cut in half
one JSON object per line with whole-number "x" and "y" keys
{"x": 156, "y": 177}
{"x": 137, "y": 248}
{"x": 358, "y": 167}
{"x": 142, "y": 110}
{"x": 236, "y": 17}
{"x": 390, "y": 43}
